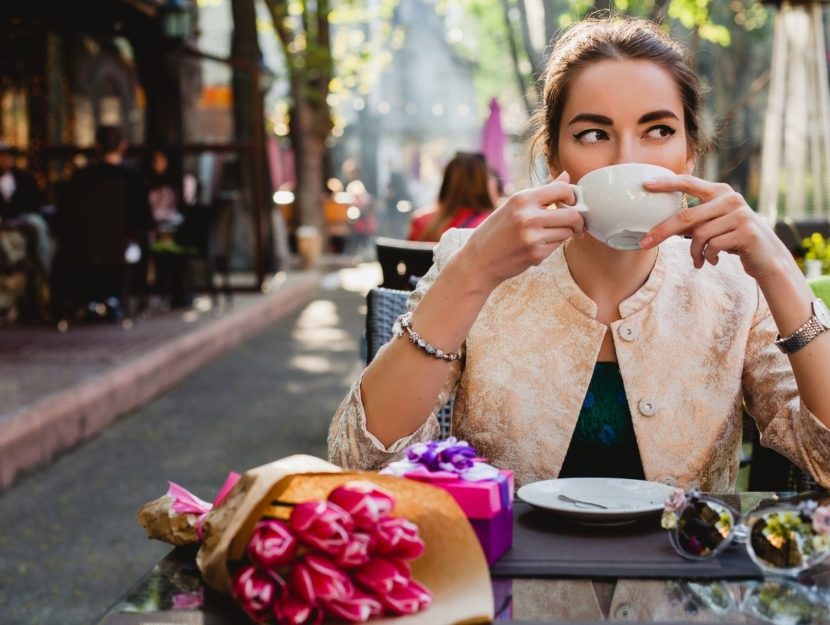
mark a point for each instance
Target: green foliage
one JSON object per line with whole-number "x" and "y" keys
{"x": 327, "y": 66}
{"x": 491, "y": 24}
{"x": 485, "y": 43}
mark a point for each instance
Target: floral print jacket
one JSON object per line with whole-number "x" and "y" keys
{"x": 694, "y": 346}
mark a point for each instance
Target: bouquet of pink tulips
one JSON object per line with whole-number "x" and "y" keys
{"x": 344, "y": 557}
{"x": 300, "y": 541}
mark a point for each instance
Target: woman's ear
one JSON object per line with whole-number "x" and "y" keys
{"x": 554, "y": 168}
{"x": 691, "y": 161}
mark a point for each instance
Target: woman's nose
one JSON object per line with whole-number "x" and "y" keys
{"x": 626, "y": 151}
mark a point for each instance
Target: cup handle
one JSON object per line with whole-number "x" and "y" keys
{"x": 580, "y": 205}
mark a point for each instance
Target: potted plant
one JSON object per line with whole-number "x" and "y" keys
{"x": 816, "y": 256}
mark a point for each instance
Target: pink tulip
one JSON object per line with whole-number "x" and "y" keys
{"x": 381, "y": 575}
{"x": 407, "y": 599}
{"x": 358, "y": 608}
{"x": 322, "y": 525}
{"x": 316, "y": 579}
{"x": 272, "y": 544}
{"x": 364, "y": 501}
{"x": 293, "y": 611}
{"x": 398, "y": 537}
{"x": 257, "y": 590}
{"x": 356, "y": 552}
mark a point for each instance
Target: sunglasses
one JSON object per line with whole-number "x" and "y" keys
{"x": 783, "y": 540}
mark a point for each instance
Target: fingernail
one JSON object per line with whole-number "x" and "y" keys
{"x": 650, "y": 181}
{"x": 646, "y": 242}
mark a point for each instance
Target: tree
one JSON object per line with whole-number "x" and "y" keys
{"x": 304, "y": 33}
{"x": 331, "y": 50}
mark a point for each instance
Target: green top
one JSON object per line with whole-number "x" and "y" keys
{"x": 603, "y": 442}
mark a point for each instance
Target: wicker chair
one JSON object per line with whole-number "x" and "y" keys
{"x": 383, "y": 306}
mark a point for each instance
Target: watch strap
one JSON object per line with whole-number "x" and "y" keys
{"x": 801, "y": 337}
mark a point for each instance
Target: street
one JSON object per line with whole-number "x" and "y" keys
{"x": 71, "y": 544}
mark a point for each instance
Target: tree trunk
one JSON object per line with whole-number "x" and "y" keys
{"x": 551, "y": 24}
{"x": 521, "y": 80}
{"x": 309, "y": 162}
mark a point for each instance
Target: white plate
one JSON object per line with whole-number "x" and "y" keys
{"x": 625, "y": 500}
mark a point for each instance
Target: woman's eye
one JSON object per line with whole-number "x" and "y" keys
{"x": 592, "y": 135}
{"x": 660, "y": 132}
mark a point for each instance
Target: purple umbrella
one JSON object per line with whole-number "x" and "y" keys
{"x": 493, "y": 140}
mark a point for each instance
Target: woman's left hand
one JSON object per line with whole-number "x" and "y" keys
{"x": 722, "y": 222}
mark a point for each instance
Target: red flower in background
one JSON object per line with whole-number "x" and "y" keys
{"x": 407, "y": 599}
{"x": 398, "y": 537}
{"x": 356, "y": 609}
{"x": 257, "y": 590}
{"x": 292, "y": 611}
{"x": 324, "y": 549}
{"x": 365, "y": 502}
{"x": 316, "y": 579}
{"x": 381, "y": 575}
{"x": 356, "y": 552}
{"x": 322, "y": 525}
{"x": 272, "y": 544}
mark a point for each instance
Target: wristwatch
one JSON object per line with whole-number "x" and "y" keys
{"x": 819, "y": 322}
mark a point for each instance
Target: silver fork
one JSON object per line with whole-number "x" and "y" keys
{"x": 578, "y": 502}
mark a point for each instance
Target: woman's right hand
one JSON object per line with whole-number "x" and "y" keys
{"x": 523, "y": 232}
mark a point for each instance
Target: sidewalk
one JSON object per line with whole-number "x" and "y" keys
{"x": 56, "y": 389}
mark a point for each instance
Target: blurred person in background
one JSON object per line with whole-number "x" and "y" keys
{"x": 464, "y": 200}
{"x": 163, "y": 192}
{"x": 102, "y": 227}
{"x": 25, "y": 245}
{"x": 19, "y": 195}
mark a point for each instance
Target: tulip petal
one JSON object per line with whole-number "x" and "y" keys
{"x": 357, "y": 609}
{"x": 293, "y": 611}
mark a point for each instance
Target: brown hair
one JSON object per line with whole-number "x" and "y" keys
{"x": 613, "y": 38}
{"x": 464, "y": 186}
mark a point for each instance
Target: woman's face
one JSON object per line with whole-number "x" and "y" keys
{"x": 622, "y": 111}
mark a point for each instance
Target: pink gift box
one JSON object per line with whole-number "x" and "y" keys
{"x": 488, "y": 504}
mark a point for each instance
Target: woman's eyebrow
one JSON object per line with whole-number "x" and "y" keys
{"x": 593, "y": 118}
{"x": 655, "y": 115}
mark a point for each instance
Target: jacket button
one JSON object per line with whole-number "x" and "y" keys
{"x": 669, "y": 481}
{"x": 624, "y": 612}
{"x": 629, "y": 332}
{"x": 647, "y": 407}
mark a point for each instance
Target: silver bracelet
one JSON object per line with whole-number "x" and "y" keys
{"x": 404, "y": 324}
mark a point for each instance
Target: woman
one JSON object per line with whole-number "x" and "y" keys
{"x": 672, "y": 339}
{"x": 464, "y": 200}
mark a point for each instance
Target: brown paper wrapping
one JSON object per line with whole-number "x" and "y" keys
{"x": 453, "y": 566}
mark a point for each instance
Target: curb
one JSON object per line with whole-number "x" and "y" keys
{"x": 35, "y": 435}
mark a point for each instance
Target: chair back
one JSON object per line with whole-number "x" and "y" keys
{"x": 383, "y": 306}
{"x": 403, "y": 262}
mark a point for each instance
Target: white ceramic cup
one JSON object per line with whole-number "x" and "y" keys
{"x": 617, "y": 209}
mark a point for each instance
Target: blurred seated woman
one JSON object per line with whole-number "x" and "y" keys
{"x": 464, "y": 200}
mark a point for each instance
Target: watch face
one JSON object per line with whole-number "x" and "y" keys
{"x": 821, "y": 313}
